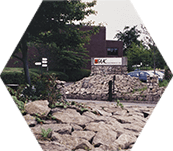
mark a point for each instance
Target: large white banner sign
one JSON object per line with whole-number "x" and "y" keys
{"x": 107, "y": 61}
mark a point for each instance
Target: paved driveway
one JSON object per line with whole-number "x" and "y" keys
{"x": 124, "y": 103}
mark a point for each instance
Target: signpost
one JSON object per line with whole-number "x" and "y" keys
{"x": 44, "y": 61}
{"x": 42, "y": 64}
{"x": 38, "y": 63}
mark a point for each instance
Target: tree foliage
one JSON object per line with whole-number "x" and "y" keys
{"x": 140, "y": 47}
{"x": 137, "y": 54}
{"x": 159, "y": 60}
{"x": 54, "y": 26}
{"x": 128, "y": 36}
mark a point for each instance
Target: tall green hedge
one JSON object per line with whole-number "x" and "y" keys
{"x": 13, "y": 78}
{"x": 16, "y": 76}
{"x": 76, "y": 75}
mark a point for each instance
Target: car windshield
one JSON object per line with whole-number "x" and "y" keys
{"x": 142, "y": 73}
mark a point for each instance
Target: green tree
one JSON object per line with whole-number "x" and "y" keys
{"x": 128, "y": 36}
{"x": 54, "y": 25}
{"x": 158, "y": 61}
{"x": 148, "y": 42}
{"x": 23, "y": 48}
{"x": 137, "y": 54}
{"x": 72, "y": 54}
{"x": 66, "y": 42}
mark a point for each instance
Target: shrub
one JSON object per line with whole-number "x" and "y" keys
{"x": 27, "y": 92}
{"x": 16, "y": 75}
{"x": 168, "y": 74}
{"x": 53, "y": 94}
{"x": 61, "y": 76}
{"x": 43, "y": 87}
{"x": 19, "y": 104}
{"x": 76, "y": 75}
{"x": 12, "y": 77}
{"x": 163, "y": 83}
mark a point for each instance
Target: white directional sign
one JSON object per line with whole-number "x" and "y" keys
{"x": 44, "y": 62}
{"x": 44, "y": 59}
{"x": 37, "y": 63}
{"x": 44, "y": 65}
{"x": 106, "y": 61}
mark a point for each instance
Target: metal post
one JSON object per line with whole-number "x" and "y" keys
{"x": 154, "y": 63}
{"x": 113, "y": 83}
{"x": 39, "y": 64}
{"x": 110, "y": 91}
{"x": 41, "y": 70}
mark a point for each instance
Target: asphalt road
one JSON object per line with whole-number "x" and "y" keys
{"x": 124, "y": 103}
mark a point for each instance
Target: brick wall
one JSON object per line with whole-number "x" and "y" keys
{"x": 117, "y": 44}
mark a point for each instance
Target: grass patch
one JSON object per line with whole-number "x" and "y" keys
{"x": 163, "y": 83}
{"x": 8, "y": 69}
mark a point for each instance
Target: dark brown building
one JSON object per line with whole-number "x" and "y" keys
{"x": 98, "y": 47}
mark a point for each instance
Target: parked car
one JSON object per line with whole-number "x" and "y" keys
{"x": 142, "y": 75}
{"x": 137, "y": 69}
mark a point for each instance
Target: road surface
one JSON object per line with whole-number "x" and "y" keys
{"x": 124, "y": 103}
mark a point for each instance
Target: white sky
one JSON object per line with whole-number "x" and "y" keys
{"x": 116, "y": 14}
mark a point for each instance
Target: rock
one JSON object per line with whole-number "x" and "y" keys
{"x": 60, "y": 82}
{"x": 119, "y": 112}
{"x": 103, "y": 113}
{"x": 132, "y": 127}
{"x": 76, "y": 127}
{"x": 88, "y": 135}
{"x": 93, "y": 116}
{"x": 71, "y": 116}
{"x": 58, "y": 128}
{"x": 72, "y": 142}
{"x": 125, "y": 87}
{"x": 115, "y": 128}
{"x": 100, "y": 126}
{"x": 149, "y": 98}
{"x": 30, "y": 120}
{"x": 106, "y": 138}
{"x": 39, "y": 107}
{"x": 60, "y": 85}
{"x": 124, "y": 141}
{"x": 53, "y": 146}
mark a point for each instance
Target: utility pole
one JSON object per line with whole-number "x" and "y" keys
{"x": 154, "y": 62}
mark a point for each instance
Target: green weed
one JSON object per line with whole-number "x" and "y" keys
{"x": 119, "y": 104}
{"x": 46, "y": 133}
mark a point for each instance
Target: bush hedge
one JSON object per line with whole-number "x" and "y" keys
{"x": 16, "y": 76}
{"x": 76, "y": 75}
